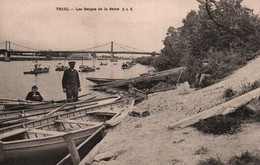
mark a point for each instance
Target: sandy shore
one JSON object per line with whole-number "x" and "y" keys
{"x": 147, "y": 140}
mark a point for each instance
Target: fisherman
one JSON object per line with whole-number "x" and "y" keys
{"x": 70, "y": 82}
{"x": 34, "y": 95}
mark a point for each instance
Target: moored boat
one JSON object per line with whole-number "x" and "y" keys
{"x": 61, "y": 67}
{"x": 103, "y": 63}
{"x": 101, "y": 80}
{"x": 87, "y": 69}
{"x": 158, "y": 76}
{"x": 113, "y": 60}
{"x": 42, "y": 141}
{"x": 37, "y": 71}
{"x": 23, "y": 115}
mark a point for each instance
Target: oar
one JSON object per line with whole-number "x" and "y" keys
{"x": 58, "y": 105}
{"x": 44, "y": 112}
{"x": 45, "y": 108}
{"x": 44, "y": 103}
{"x": 72, "y": 98}
{"x": 14, "y": 100}
{"x": 55, "y": 110}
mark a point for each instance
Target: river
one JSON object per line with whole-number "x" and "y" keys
{"x": 15, "y": 84}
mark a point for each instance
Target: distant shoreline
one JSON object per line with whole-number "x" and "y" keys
{"x": 28, "y": 58}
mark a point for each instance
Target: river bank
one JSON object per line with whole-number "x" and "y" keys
{"x": 149, "y": 141}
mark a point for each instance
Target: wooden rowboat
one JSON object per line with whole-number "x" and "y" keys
{"x": 44, "y": 70}
{"x": 159, "y": 76}
{"x": 42, "y": 141}
{"x": 101, "y": 80}
{"x": 18, "y": 104}
{"x": 19, "y": 116}
{"x": 10, "y": 104}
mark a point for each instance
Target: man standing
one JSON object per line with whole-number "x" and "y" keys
{"x": 70, "y": 82}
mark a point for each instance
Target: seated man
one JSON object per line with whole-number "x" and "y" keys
{"x": 34, "y": 95}
{"x": 203, "y": 78}
{"x": 139, "y": 95}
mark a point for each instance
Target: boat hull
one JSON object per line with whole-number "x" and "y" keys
{"x": 37, "y": 72}
{"x": 42, "y": 140}
{"x": 14, "y": 117}
{"x": 101, "y": 80}
{"x": 38, "y": 150}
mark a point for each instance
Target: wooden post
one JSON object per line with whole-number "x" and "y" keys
{"x": 82, "y": 144}
{"x": 72, "y": 149}
{"x": 2, "y": 156}
{"x": 7, "y": 56}
{"x": 112, "y": 53}
{"x": 9, "y": 46}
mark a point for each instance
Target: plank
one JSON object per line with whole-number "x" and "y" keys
{"x": 55, "y": 110}
{"x": 77, "y": 122}
{"x": 46, "y": 132}
{"x": 224, "y": 109}
{"x": 13, "y": 133}
{"x": 31, "y": 135}
{"x": 119, "y": 117}
{"x": 254, "y": 105}
{"x": 100, "y": 112}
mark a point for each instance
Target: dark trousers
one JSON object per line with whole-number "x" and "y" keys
{"x": 72, "y": 92}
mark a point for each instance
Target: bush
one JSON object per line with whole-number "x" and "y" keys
{"x": 211, "y": 161}
{"x": 219, "y": 125}
{"x": 245, "y": 159}
{"x": 145, "y": 60}
{"x": 255, "y": 85}
{"x": 247, "y": 87}
{"x": 228, "y": 124}
{"x": 229, "y": 93}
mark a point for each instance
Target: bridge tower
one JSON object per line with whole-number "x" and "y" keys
{"x": 7, "y": 48}
{"x": 112, "y": 53}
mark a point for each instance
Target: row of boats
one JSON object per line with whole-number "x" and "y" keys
{"x": 33, "y": 133}
{"x": 60, "y": 67}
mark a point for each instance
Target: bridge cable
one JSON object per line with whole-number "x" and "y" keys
{"x": 2, "y": 43}
{"x": 96, "y": 46}
{"x": 132, "y": 47}
{"x": 123, "y": 47}
{"x": 26, "y": 47}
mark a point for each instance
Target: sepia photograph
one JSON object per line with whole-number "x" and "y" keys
{"x": 130, "y": 82}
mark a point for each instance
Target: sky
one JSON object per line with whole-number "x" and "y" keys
{"x": 38, "y": 24}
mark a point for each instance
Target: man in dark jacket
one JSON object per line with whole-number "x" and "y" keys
{"x": 70, "y": 82}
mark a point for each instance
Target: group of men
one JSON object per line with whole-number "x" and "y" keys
{"x": 70, "y": 85}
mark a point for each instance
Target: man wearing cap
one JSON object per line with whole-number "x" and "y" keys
{"x": 70, "y": 82}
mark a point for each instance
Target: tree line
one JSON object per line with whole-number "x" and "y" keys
{"x": 223, "y": 32}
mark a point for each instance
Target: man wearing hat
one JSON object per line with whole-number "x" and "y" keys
{"x": 70, "y": 82}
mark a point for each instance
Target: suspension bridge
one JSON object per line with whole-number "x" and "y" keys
{"x": 21, "y": 50}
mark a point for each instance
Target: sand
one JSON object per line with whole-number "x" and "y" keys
{"x": 143, "y": 141}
